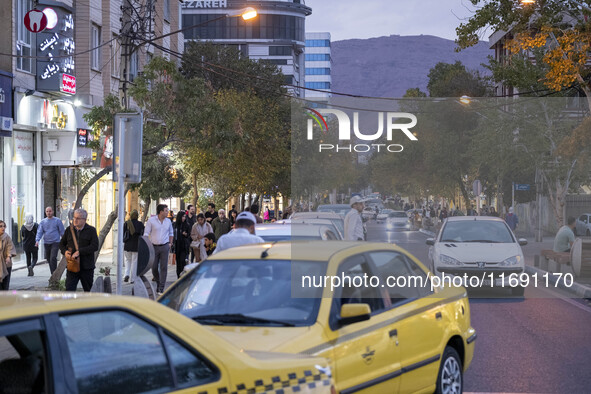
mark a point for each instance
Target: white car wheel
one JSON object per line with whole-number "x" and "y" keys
{"x": 450, "y": 379}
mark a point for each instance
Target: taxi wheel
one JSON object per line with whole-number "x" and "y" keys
{"x": 450, "y": 379}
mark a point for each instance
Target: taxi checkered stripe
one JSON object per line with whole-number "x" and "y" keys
{"x": 292, "y": 383}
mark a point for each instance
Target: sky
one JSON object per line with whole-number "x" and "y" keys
{"x": 346, "y": 19}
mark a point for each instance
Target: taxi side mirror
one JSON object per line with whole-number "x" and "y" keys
{"x": 430, "y": 241}
{"x": 354, "y": 313}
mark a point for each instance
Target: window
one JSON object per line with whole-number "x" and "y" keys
{"x": 318, "y": 85}
{"x": 23, "y": 39}
{"x": 318, "y": 71}
{"x": 115, "y": 57}
{"x": 95, "y": 41}
{"x": 318, "y": 43}
{"x": 408, "y": 280}
{"x": 115, "y": 352}
{"x": 133, "y": 66}
{"x": 318, "y": 57}
{"x": 583, "y": 218}
{"x": 265, "y": 26}
{"x": 23, "y": 357}
{"x": 280, "y": 50}
{"x": 351, "y": 292}
{"x": 190, "y": 370}
{"x": 167, "y": 10}
{"x": 279, "y": 62}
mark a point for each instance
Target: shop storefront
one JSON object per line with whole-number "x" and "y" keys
{"x": 6, "y": 122}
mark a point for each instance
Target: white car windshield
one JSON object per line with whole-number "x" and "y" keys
{"x": 246, "y": 292}
{"x": 485, "y": 231}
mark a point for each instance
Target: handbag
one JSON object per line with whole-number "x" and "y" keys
{"x": 195, "y": 244}
{"x": 74, "y": 264}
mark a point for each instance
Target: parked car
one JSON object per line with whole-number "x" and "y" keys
{"x": 321, "y": 222}
{"x": 285, "y": 231}
{"x": 478, "y": 246}
{"x": 381, "y": 339}
{"x": 583, "y": 225}
{"x": 74, "y": 343}
{"x": 341, "y": 209}
{"x": 368, "y": 213}
{"x": 335, "y": 218}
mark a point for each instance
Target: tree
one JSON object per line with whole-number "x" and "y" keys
{"x": 453, "y": 80}
{"x": 559, "y": 30}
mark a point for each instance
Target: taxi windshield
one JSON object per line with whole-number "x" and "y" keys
{"x": 245, "y": 292}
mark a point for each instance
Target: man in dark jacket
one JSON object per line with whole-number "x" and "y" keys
{"x": 87, "y": 245}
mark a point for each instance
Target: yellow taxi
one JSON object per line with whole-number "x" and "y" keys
{"x": 381, "y": 329}
{"x": 74, "y": 343}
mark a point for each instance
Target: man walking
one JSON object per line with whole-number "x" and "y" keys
{"x": 87, "y": 244}
{"x": 353, "y": 222}
{"x": 51, "y": 230}
{"x": 159, "y": 231}
{"x": 211, "y": 214}
{"x": 244, "y": 233}
{"x": 512, "y": 219}
{"x": 254, "y": 209}
{"x": 221, "y": 224}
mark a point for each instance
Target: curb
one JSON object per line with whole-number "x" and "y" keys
{"x": 577, "y": 289}
{"x": 426, "y": 232}
{"x": 25, "y": 266}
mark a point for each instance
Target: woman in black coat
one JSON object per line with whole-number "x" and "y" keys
{"x": 182, "y": 240}
{"x": 28, "y": 234}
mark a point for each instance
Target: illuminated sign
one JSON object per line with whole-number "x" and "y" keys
{"x": 55, "y": 49}
{"x": 82, "y": 137}
{"x": 205, "y": 4}
{"x": 68, "y": 84}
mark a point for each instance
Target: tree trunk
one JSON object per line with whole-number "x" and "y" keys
{"x": 242, "y": 202}
{"x": 249, "y": 200}
{"x": 464, "y": 193}
{"x": 145, "y": 215}
{"x": 195, "y": 191}
{"x": 89, "y": 184}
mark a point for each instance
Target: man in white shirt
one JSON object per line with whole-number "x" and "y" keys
{"x": 353, "y": 222}
{"x": 243, "y": 234}
{"x": 159, "y": 231}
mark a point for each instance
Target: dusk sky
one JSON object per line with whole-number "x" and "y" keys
{"x": 346, "y": 19}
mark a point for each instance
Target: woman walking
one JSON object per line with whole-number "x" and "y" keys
{"x": 7, "y": 252}
{"x": 182, "y": 236}
{"x": 28, "y": 234}
{"x": 132, "y": 232}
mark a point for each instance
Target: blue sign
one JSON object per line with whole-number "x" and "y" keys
{"x": 5, "y": 104}
{"x": 521, "y": 187}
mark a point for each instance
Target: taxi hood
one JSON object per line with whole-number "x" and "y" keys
{"x": 285, "y": 339}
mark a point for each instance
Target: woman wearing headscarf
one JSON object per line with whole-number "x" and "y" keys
{"x": 7, "y": 252}
{"x": 182, "y": 236}
{"x": 28, "y": 234}
{"x": 198, "y": 232}
{"x": 132, "y": 231}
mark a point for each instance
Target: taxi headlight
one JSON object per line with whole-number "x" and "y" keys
{"x": 443, "y": 259}
{"x": 514, "y": 260}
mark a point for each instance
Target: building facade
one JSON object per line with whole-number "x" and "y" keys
{"x": 48, "y": 81}
{"x": 318, "y": 66}
{"x": 276, "y": 35}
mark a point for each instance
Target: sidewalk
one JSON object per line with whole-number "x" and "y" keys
{"x": 20, "y": 281}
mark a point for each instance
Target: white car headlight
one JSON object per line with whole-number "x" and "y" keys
{"x": 443, "y": 259}
{"x": 514, "y": 260}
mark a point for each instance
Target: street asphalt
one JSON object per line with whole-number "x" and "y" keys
{"x": 537, "y": 344}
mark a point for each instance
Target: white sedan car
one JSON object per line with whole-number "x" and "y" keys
{"x": 478, "y": 246}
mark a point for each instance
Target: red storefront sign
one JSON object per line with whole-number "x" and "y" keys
{"x": 68, "y": 84}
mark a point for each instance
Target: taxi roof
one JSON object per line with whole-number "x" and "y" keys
{"x": 300, "y": 250}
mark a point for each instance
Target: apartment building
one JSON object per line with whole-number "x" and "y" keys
{"x": 48, "y": 81}
{"x": 318, "y": 66}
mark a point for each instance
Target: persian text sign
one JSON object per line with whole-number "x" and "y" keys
{"x": 68, "y": 84}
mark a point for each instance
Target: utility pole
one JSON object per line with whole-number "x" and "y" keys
{"x": 125, "y": 39}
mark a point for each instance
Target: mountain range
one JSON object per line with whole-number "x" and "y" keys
{"x": 388, "y": 66}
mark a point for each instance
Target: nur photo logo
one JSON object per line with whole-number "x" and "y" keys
{"x": 389, "y": 124}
